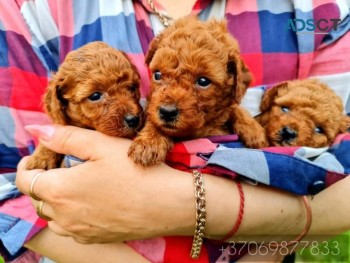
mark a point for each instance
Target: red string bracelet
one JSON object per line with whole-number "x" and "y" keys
{"x": 240, "y": 215}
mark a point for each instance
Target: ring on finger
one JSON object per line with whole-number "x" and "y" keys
{"x": 31, "y": 188}
{"x": 39, "y": 211}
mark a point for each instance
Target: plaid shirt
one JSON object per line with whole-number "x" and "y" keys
{"x": 35, "y": 36}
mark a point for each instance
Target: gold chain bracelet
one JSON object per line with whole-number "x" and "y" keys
{"x": 200, "y": 214}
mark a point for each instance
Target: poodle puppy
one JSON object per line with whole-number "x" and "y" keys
{"x": 302, "y": 113}
{"x": 198, "y": 81}
{"x": 96, "y": 87}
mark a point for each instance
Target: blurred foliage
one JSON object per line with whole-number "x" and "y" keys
{"x": 335, "y": 250}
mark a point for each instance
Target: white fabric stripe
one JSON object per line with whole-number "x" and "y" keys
{"x": 344, "y": 6}
{"x": 42, "y": 27}
{"x": 323, "y": 158}
{"x": 111, "y": 8}
{"x": 128, "y": 7}
{"x": 308, "y": 152}
{"x": 218, "y": 9}
{"x": 156, "y": 24}
{"x": 305, "y": 6}
{"x": 5, "y": 189}
{"x": 252, "y": 99}
{"x": 340, "y": 83}
{"x": 280, "y": 7}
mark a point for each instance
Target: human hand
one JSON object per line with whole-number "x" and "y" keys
{"x": 107, "y": 198}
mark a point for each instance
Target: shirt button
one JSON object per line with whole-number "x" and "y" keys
{"x": 316, "y": 187}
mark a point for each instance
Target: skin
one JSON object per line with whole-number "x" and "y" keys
{"x": 64, "y": 193}
{"x": 65, "y": 249}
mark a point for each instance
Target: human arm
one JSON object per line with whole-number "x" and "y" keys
{"x": 145, "y": 203}
{"x": 65, "y": 249}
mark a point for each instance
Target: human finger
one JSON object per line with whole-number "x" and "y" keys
{"x": 70, "y": 140}
{"x": 26, "y": 179}
{"x": 39, "y": 183}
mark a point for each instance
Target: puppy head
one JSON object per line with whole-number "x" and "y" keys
{"x": 197, "y": 73}
{"x": 96, "y": 87}
{"x": 302, "y": 113}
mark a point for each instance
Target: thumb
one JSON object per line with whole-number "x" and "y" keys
{"x": 69, "y": 140}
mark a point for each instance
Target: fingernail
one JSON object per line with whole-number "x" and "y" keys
{"x": 44, "y": 132}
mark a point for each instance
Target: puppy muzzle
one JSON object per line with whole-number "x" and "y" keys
{"x": 287, "y": 135}
{"x": 168, "y": 113}
{"x": 131, "y": 121}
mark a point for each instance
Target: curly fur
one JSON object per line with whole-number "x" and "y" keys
{"x": 183, "y": 53}
{"x": 308, "y": 108}
{"x": 95, "y": 67}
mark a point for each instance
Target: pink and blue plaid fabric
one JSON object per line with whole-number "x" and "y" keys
{"x": 35, "y": 36}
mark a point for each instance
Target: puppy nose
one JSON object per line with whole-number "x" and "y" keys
{"x": 288, "y": 134}
{"x": 131, "y": 120}
{"x": 168, "y": 113}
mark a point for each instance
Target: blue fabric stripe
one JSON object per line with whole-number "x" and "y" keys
{"x": 292, "y": 174}
{"x": 13, "y": 232}
{"x": 85, "y": 12}
{"x": 3, "y": 50}
{"x": 7, "y": 130}
{"x": 112, "y": 27}
{"x": 306, "y": 42}
{"x": 50, "y": 54}
{"x": 275, "y": 36}
{"x": 9, "y": 157}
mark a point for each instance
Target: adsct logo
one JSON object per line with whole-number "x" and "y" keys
{"x": 309, "y": 26}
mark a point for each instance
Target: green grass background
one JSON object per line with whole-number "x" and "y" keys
{"x": 320, "y": 253}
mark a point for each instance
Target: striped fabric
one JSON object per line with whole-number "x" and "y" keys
{"x": 36, "y": 35}
{"x": 300, "y": 170}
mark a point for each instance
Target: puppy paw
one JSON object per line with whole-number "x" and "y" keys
{"x": 149, "y": 152}
{"x": 255, "y": 139}
{"x": 44, "y": 158}
{"x": 41, "y": 163}
{"x": 256, "y": 143}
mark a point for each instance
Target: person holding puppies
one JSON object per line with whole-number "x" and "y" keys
{"x": 109, "y": 199}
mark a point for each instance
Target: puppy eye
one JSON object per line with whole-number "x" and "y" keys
{"x": 133, "y": 88}
{"x": 95, "y": 96}
{"x": 157, "y": 75}
{"x": 284, "y": 109}
{"x": 319, "y": 130}
{"x": 203, "y": 82}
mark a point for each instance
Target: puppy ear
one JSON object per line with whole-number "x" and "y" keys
{"x": 242, "y": 77}
{"x": 153, "y": 46}
{"x": 345, "y": 124}
{"x": 235, "y": 65}
{"x": 55, "y": 104}
{"x": 270, "y": 95}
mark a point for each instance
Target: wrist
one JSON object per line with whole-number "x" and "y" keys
{"x": 173, "y": 205}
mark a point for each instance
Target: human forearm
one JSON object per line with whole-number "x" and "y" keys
{"x": 269, "y": 214}
{"x": 65, "y": 249}
{"x": 159, "y": 200}
{"x": 331, "y": 209}
{"x": 263, "y": 208}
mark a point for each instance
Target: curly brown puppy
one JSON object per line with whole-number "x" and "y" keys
{"x": 96, "y": 87}
{"x": 199, "y": 80}
{"x": 302, "y": 113}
